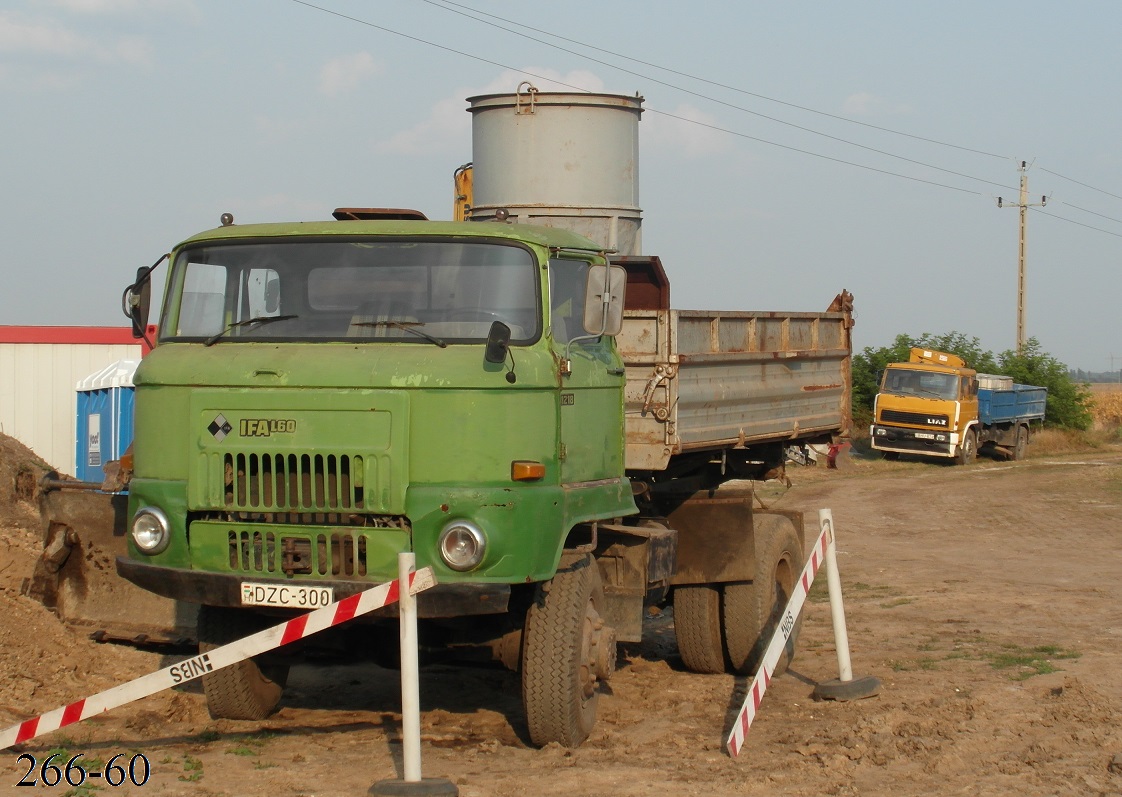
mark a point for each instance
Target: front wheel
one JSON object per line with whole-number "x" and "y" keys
{"x": 567, "y": 651}
{"x": 968, "y": 449}
{"x": 242, "y": 691}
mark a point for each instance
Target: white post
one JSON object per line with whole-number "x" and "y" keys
{"x": 837, "y": 610}
{"x": 410, "y": 672}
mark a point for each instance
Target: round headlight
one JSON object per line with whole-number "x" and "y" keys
{"x": 150, "y": 530}
{"x": 462, "y": 545}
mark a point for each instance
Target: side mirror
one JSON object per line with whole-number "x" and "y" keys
{"x": 137, "y": 300}
{"x": 498, "y": 343}
{"x": 603, "y": 300}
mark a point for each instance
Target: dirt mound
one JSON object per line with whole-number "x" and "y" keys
{"x": 20, "y": 473}
{"x": 42, "y": 662}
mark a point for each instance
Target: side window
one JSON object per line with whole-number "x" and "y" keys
{"x": 567, "y": 282}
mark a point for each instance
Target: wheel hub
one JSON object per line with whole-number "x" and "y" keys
{"x": 598, "y": 651}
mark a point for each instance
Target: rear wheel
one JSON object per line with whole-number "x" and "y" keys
{"x": 1021, "y": 444}
{"x": 752, "y": 611}
{"x": 567, "y": 651}
{"x": 968, "y": 449}
{"x": 242, "y": 691}
{"x": 697, "y": 626}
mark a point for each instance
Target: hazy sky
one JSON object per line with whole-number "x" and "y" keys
{"x": 856, "y": 145}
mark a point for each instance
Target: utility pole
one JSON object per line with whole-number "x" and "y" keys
{"x": 1023, "y": 204}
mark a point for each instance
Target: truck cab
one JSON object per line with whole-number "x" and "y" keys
{"x": 927, "y": 406}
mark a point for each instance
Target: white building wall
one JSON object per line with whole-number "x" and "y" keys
{"x": 38, "y": 400}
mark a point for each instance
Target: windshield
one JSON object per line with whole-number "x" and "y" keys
{"x": 930, "y": 384}
{"x": 423, "y": 292}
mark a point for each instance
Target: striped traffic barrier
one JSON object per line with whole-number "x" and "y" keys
{"x": 846, "y": 687}
{"x": 195, "y": 667}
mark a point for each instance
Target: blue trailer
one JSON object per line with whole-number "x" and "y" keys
{"x": 1005, "y": 412}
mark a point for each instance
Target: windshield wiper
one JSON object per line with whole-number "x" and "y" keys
{"x": 408, "y": 326}
{"x": 261, "y": 319}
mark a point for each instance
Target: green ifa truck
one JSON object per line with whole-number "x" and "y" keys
{"x": 511, "y": 402}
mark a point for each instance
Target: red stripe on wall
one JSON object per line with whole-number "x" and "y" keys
{"x": 69, "y": 335}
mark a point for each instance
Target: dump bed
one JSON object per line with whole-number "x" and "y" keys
{"x": 701, "y": 380}
{"x": 1018, "y": 403}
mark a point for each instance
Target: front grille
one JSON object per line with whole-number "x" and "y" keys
{"x": 914, "y": 418}
{"x": 320, "y": 482}
{"x": 335, "y": 554}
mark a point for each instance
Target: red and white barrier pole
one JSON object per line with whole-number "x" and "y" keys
{"x": 824, "y": 551}
{"x": 197, "y": 666}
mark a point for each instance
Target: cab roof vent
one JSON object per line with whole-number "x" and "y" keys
{"x": 382, "y": 214}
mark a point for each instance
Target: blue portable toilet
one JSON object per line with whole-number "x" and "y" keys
{"x": 105, "y": 423}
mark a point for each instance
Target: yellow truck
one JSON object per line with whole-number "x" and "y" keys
{"x": 934, "y": 405}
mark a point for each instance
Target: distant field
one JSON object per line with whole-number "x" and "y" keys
{"x": 1106, "y": 403}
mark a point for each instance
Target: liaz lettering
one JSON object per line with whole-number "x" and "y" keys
{"x": 936, "y": 421}
{"x": 191, "y": 668}
{"x": 264, "y": 427}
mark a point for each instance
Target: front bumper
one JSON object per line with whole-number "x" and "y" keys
{"x": 224, "y": 589}
{"x": 912, "y": 441}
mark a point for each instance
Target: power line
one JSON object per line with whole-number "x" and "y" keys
{"x": 665, "y": 113}
{"x": 1093, "y": 213}
{"x": 808, "y": 152}
{"x": 1085, "y": 185}
{"x": 449, "y": 5}
{"x": 1077, "y": 223}
{"x": 717, "y": 128}
{"x": 711, "y": 99}
{"x": 445, "y": 3}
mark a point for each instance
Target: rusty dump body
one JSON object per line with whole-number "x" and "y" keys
{"x": 709, "y": 381}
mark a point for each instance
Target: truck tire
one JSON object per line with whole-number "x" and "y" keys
{"x": 1022, "y": 442}
{"x": 566, "y": 652}
{"x": 697, "y": 627}
{"x": 242, "y": 691}
{"x": 752, "y": 611}
{"x": 968, "y": 449}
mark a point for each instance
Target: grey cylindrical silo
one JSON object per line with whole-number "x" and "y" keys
{"x": 560, "y": 160}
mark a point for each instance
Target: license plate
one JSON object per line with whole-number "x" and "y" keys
{"x": 286, "y": 596}
{"x": 925, "y": 436}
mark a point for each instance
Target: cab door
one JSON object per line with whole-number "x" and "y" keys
{"x": 590, "y": 397}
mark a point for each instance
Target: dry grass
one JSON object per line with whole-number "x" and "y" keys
{"x": 1053, "y": 442}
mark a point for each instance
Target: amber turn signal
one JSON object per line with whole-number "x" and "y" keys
{"x": 522, "y": 470}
